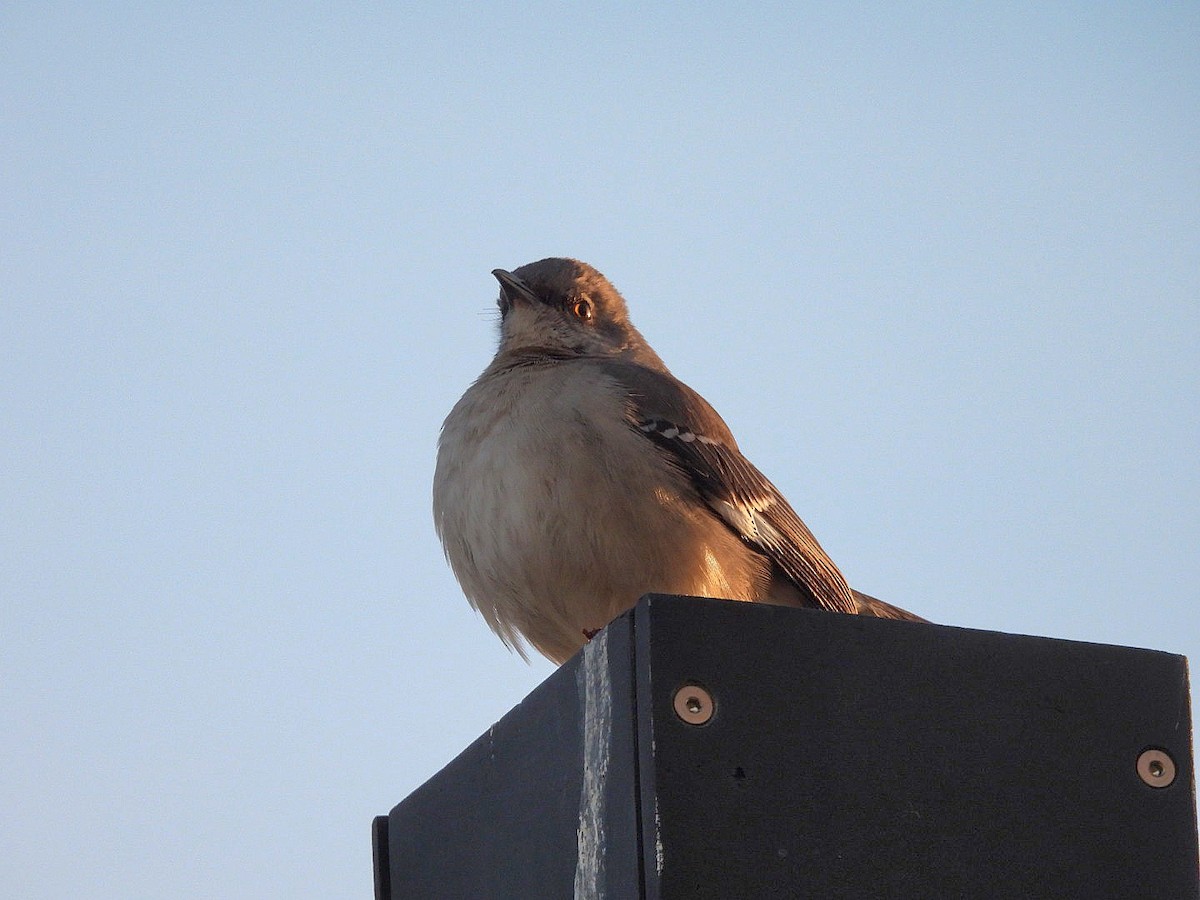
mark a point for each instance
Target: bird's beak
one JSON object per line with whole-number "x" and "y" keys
{"x": 512, "y": 291}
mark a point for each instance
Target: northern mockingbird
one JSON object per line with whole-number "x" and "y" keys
{"x": 577, "y": 474}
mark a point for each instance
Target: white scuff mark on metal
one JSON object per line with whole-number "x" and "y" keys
{"x": 658, "y": 847}
{"x": 596, "y": 688}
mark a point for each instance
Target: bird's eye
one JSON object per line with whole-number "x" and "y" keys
{"x": 582, "y": 309}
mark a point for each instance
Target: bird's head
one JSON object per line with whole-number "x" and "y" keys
{"x": 565, "y": 308}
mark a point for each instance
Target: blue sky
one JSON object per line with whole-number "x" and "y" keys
{"x": 936, "y": 265}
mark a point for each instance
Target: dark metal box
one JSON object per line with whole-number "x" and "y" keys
{"x": 837, "y": 757}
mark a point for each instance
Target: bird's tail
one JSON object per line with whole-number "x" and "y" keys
{"x": 870, "y": 606}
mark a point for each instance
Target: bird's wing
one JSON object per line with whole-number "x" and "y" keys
{"x": 693, "y": 437}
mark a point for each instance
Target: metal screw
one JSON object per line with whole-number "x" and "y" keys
{"x": 1156, "y": 768}
{"x": 694, "y": 704}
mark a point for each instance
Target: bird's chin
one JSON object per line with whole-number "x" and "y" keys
{"x": 522, "y": 328}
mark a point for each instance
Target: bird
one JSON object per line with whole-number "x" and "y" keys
{"x": 577, "y": 474}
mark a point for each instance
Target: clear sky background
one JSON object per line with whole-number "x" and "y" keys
{"x": 938, "y": 265}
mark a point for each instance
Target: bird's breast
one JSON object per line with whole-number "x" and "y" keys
{"x": 556, "y": 515}
{"x": 535, "y": 463}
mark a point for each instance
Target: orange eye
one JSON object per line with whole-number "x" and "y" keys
{"x": 582, "y": 309}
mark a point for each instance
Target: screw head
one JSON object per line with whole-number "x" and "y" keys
{"x": 693, "y": 704}
{"x": 1156, "y": 768}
